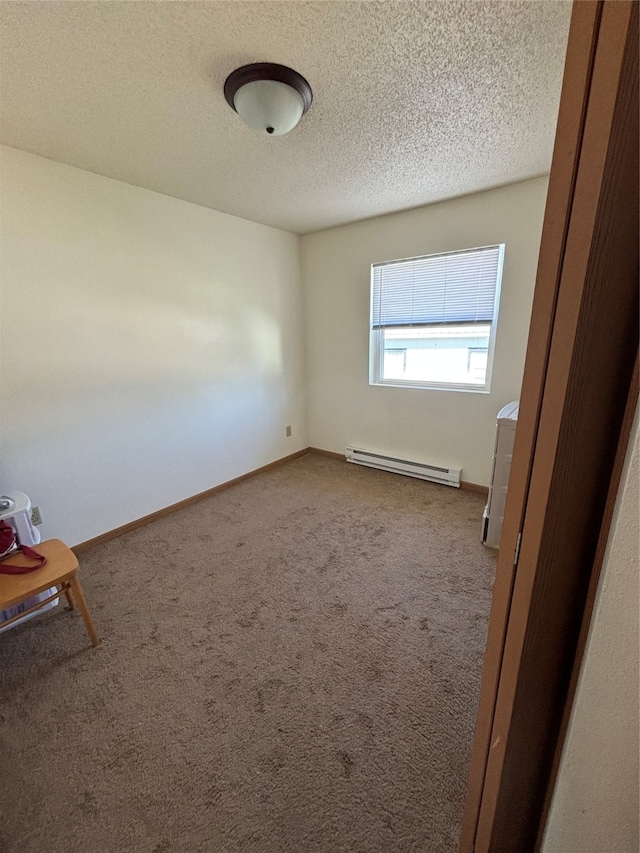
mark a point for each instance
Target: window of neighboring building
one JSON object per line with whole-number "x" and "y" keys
{"x": 433, "y": 319}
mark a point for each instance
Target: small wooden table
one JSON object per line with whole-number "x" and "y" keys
{"x": 60, "y": 570}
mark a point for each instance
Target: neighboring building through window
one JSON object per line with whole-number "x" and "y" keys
{"x": 433, "y": 319}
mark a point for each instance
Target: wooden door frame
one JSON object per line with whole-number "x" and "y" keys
{"x": 577, "y": 385}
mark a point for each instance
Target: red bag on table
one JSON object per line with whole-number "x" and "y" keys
{"x": 8, "y": 543}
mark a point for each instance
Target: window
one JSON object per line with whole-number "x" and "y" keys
{"x": 433, "y": 319}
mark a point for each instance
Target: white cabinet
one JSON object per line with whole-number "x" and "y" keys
{"x": 493, "y": 515}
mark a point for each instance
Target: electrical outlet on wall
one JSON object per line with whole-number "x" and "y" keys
{"x": 288, "y": 429}
{"x": 36, "y": 516}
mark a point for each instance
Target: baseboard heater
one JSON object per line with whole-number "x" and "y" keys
{"x": 435, "y": 473}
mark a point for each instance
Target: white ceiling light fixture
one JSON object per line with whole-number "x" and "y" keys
{"x": 271, "y": 99}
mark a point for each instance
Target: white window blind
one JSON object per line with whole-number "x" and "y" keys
{"x": 448, "y": 288}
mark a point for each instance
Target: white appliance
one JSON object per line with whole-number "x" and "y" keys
{"x": 493, "y": 515}
{"x": 15, "y": 509}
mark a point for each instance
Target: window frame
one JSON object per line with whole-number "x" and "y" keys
{"x": 376, "y": 336}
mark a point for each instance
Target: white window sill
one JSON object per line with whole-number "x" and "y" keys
{"x": 430, "y": 386}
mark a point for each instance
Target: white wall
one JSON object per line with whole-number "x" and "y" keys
{"x": 151, "y": 348}
{"x": 595, "y": 803}
{"x": 445, "y": 427}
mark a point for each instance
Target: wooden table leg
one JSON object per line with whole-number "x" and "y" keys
{"x": 69, "y": 598}
{"x": 80, "y": 600}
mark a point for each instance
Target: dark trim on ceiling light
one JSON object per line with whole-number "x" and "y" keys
{"x": 267, "y": 71}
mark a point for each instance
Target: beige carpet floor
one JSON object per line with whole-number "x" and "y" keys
{"x": 290, "y": 665}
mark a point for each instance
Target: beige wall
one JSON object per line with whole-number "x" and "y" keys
{"x": 151, "y": 348}
{"x": 596, "y": 801}
{"x": 442, "y": 427}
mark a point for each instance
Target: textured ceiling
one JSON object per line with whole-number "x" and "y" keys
{"x": 413, "y": 102}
